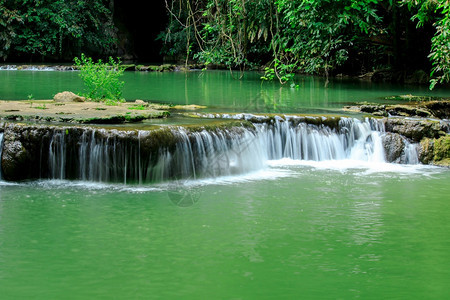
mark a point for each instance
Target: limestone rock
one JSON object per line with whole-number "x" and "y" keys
{"x": 416, "y": 129}
{"x": 435, "y": 151}
{"x": 68, "y": 97}
{"x": 141, "y": 102}
{"x": 393, "y": 144}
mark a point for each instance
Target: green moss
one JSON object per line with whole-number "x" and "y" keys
{"x": 442, "y": 148}
{"x": 138, "y": 107}
{"x": 410, "y": 98}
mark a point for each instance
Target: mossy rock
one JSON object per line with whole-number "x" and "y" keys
{"x": 442, "y": 148}
{"x": 435, "y": 151}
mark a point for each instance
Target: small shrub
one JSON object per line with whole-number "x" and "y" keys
{"x": 102, "y": 79}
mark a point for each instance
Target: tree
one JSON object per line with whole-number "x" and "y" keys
{"x": 55, "y": 29}
{"x": 311, "y": 36}
{"x": 437, "y": 12}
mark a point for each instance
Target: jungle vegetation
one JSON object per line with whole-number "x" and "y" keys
{"x": 321, "y": 37}
{"x": 55, "y": 29}
{"x": 312, "y": 36}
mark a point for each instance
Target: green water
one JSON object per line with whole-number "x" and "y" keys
{"x": 311, "y": 231}
{"x": 216, "y": 89}
{"x": 295, "y": 233}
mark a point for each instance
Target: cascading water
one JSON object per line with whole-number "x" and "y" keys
{"x": 353, "y": 140}
{"x": 102, "y": 156}
{"x": 111, "y": 155}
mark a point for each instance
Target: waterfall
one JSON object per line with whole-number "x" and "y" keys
{"x": 410, "y": 153}
{"x": 353, "y": 140}
{"x": 106, "y": 156}
{"x": 154, "y": 156}
{"x": 57, "y": 156}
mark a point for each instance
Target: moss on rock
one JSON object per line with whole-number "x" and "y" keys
{"x": 435, "y": 151}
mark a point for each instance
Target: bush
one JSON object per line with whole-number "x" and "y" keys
{"x": 102, "y": 79}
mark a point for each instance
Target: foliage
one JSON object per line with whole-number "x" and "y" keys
{"x": 102, "y": 79}
{"x": 438, "y": 13}
{"x": 9, "y": 20}
{"x": 54, "y": 28}
{"x": 317, "y": 34}
{"x": 310, "y": 36}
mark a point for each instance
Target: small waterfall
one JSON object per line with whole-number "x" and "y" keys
{"x": 57, "y": 156}
{"x": 353, "y": 140}
{"x": 410, "y": 154}
{"x": 1, "y": 149}
{"x": 170, "y": 153}
{"x": 107, "y": 156}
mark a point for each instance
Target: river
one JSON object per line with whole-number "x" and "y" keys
{"x": 343, "y": 228}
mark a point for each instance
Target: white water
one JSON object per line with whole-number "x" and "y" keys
{"x": 102, "y": 157}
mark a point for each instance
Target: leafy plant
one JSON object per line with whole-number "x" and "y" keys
{"x": 438, "y": 13}
{"x": 54, "y": 28}
{"x": 102, "y": 79}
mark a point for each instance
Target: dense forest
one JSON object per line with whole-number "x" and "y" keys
{"x": 283, "y": 37}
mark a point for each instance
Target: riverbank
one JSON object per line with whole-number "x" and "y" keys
{"x": 79, "y": 112}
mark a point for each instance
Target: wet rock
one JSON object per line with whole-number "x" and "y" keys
{"x": 435, "y": 151}
{"x": 426, "y": 150}
{"x": 161, "y": 68}
{"x": 440, "y": 109}
{"x": 411, "y": 106}
{"x": 21, "y": 147}
{"x": 13, "y": 156}
{"x": 68, "y": 97}
{"x": 393, "y": 144}
{"x": 416, "y": 130}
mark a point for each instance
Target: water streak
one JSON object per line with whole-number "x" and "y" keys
{"x": 105, "y": 156}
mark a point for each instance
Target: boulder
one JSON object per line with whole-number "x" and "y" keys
{"x": 141, "y": 102}
{"x": 435, "y": 151}
{"x": 416, "y": 130}
{"x": 393, "y": 145}
{"x": 68, "y": 97}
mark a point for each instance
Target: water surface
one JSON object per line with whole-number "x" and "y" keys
{"x": 310, "y": 232}
{"x": 216, "y": 89}
{"x": 294, "y": 229}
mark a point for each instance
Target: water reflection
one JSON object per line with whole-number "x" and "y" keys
{"x": 216, "y": 89}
